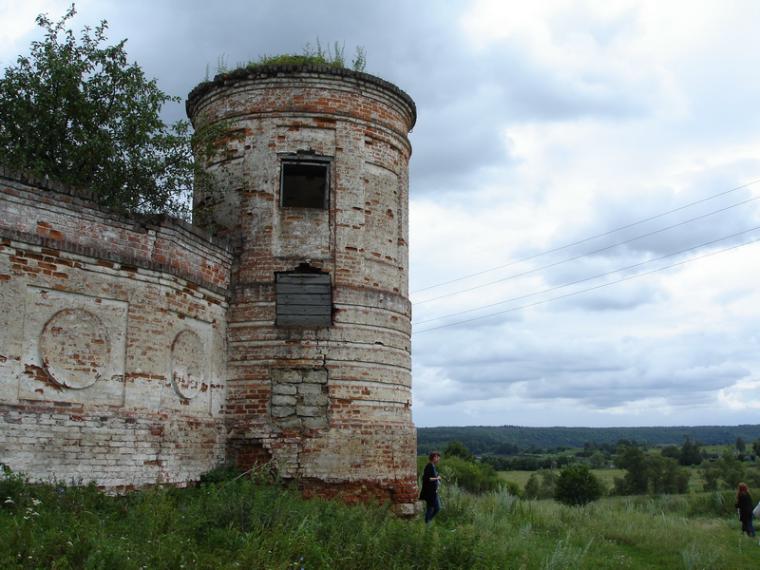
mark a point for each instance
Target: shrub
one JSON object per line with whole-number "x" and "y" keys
{"x": 513, "y": 489}
{"x": 532, "y": 488}
{"x": 471, "y": 476}
{"x": 576, "y": 485}
{"x": 548, "y": 484}
{"x": 458, "y": 449}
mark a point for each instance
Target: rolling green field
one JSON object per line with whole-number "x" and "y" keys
{"x": 248, "y": 524}
{"x": 606, "y": 476}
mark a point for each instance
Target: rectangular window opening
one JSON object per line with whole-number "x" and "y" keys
{"x": 304, "y": 184}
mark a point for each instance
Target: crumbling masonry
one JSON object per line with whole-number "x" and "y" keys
{"x": 277, "y": 328}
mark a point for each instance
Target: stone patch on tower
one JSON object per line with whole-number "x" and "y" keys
{"x": 299, "y": 399}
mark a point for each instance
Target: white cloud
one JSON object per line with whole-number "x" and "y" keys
{"x": 540, "y": 124}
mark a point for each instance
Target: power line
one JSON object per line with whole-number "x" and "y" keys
{"x": 575, "y": 258}
{"x": 584, "y": 240}
{"x": 588, "y": 279}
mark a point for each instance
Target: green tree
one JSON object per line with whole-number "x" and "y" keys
{"x": 469, "y": 475}
{"x": 671, "y": 451}
{"x": 741, "y": 446}
{"x": 664, "y": 475}
{"x": 576, "y": 485}
{"x": 649, "y": 473}
{"x": 633, "y": 460}
{"x": 690, "y": 453}
{"x": 598, "y": 460}
{"x": 756, "y": 447}
{"x": 76, "y": 111}
{"x": 548, "y": 483}
{"x": 458, "y": 449}
{"x": 732, "y": 470}
{"x": 711, "y": 475}
{"x": 532, "y": 488}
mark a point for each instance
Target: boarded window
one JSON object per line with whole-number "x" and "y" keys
{"x": 304, "y": 184}
{"x": 303, "y": 299}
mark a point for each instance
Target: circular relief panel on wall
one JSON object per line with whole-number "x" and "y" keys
{"x": 74, "y": 348}
{"x": 188, "y": 356}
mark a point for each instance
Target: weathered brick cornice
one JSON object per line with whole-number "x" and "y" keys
{"x": 292, "y": 70}
{"x": 63, "y": 195}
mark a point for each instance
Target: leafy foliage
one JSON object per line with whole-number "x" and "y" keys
{"x": 471, "y": 476}
{"x": 483, "y": 440}
{"x": 649, "y": 473}
{"x": 576, "y": 485}
{"x": 690, "y": 453}
{"x": 77, "y": 111}
{"x": 528, "y": 462}
{"x": 532, "y": 488}
{"x": 541, "y": 485}
{"x": 727, "y": 472}
{"x": 458, "y": 449}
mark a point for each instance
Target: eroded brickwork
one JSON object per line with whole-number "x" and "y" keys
{"x": 349, "y": 431}
{"x": 112, "y": 343}
{"x": 144, "y": 351}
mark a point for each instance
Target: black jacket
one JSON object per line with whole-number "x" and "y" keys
{"x": 429, "y": 488}
{"x": 745, "y": 505}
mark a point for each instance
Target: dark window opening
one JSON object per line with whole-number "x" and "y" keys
{"x": 303, "y": 299}
{"x": 304, "y": 184}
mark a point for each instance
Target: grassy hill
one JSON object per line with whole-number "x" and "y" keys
{"x": 504, "y": 439}
{"x": 248, "y": 524}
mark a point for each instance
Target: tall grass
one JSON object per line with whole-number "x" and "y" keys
{"x": 251, "y": 524}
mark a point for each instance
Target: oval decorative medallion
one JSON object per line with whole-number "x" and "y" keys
{"x": 187, "y": 364}
{"x": 75, "y": 348}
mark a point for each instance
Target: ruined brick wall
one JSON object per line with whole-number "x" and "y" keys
{"x": 331, "y": 405}
{"x": 112, "y": 342}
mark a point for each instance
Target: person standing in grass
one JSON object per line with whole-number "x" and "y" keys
{"x": 745, "y": 505}
{"x": 431, "y": 480}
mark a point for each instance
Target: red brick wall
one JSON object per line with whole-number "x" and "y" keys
{"x": 92, "y": 384}
{"x": 136, "y": 351}
{"x": 363, "y": 444}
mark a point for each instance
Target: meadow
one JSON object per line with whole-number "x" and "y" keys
{"x": 248, "y": 523}
{"x": 606, "y": 476}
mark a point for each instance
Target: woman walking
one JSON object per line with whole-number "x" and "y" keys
{"x": 431, "y": 480}
{"x": 745, "y": 505}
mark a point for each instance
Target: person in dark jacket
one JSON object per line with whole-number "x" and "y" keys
{"x": 745, "y": 505}
{"x": 431, "y": 480}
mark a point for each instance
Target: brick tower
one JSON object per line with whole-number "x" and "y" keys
{"x": 309, "y": 171}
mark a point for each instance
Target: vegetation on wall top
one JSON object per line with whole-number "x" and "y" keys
{"x": 331, "y": 56}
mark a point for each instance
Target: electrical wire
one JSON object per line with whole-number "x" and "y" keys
{"x": 584, "y": 240}
{"x": 588, "y": 279}
{"x": 575, "y": 258}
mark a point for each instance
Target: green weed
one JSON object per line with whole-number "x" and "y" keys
{"x": 233, "y": 522}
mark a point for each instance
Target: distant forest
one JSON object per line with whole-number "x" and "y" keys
{"x": 509, "y": 440}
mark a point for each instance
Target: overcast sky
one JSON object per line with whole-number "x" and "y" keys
{"x": 544, "y": 128}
